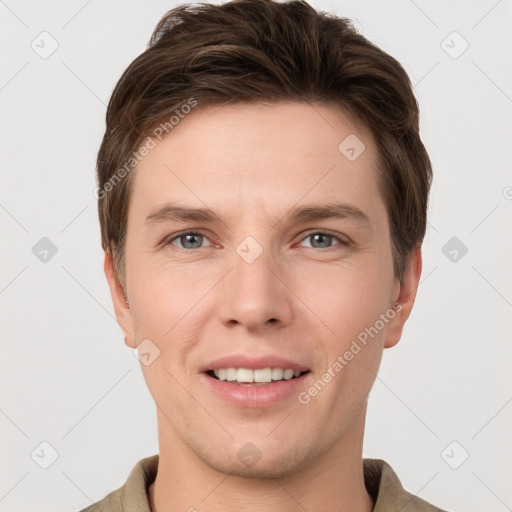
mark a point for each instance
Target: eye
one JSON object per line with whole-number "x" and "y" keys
{"x": 189, "y": 239}
{"x": 321, "y": 239}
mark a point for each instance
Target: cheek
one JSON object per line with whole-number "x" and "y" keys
{"x": 349, "y": 303}
{"x": 169, "y": 309}
{"x": 161, "y": 295}
{"x": 351, "y": 307}
{"x": 348, "y": 296}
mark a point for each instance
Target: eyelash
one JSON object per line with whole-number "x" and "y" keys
{"x": 309, "y": 234}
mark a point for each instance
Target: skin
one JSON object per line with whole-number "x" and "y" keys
{"x": 196, "y": 299}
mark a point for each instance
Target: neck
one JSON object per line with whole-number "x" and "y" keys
{"x": 333, "y": 481}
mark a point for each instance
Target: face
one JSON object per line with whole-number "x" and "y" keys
{"x": 268, "y": 280}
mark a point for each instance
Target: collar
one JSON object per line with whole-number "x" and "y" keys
{"x": 380, "y": 480}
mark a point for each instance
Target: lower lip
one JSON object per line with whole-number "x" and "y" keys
{"x": 254, "y": 397}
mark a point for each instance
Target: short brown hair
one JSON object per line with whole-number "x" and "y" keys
{"x": 247, "y": 51}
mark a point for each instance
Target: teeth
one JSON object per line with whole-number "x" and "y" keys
{"x": 231, "y": 374}
{"x": 277, "y": 373}
{"x": 244, "y": 375}
{"x": 288, "y": 374}
{"x": 263, "y": 375}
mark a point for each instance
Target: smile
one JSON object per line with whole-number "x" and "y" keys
{"x": 260, "y": 376}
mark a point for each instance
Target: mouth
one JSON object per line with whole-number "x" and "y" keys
{"x": 265, "y": 384}
{"x": 257, "y": 377}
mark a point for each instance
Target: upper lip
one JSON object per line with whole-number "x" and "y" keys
{"x": 254, "y": 363}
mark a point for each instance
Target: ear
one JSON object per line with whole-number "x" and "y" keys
{"x": 405, "y": 296}
{"x": 121, "y": 306}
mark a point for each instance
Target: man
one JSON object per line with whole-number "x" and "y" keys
{"x": 262, "y": 192}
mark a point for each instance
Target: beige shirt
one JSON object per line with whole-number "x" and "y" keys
{"x": 381, "y": 482}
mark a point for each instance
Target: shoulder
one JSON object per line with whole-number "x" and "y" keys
{"x": 112, "y": 502}
{"x": 387, "y": 491}
{"x": 133, "y": 494}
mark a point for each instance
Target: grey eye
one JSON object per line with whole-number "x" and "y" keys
{"x": 322, "y": 240}
{"x": 189, "y": 240}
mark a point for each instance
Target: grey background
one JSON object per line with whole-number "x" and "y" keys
{"x": 66, "y": 377}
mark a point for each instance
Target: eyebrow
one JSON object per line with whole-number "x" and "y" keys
{"x": 168, "y": 212}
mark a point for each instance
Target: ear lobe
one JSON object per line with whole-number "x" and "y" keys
{"x": 119, "y": 300}
{"x": 405, "y": 299}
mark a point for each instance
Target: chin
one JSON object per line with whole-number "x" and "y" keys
{"x": 260, "y": 470}
{"x": 249, "y": 462}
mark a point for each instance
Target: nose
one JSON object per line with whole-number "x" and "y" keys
{"x": 255, "y": 294}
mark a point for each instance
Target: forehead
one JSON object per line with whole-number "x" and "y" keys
{"x": 255, "y": 156}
